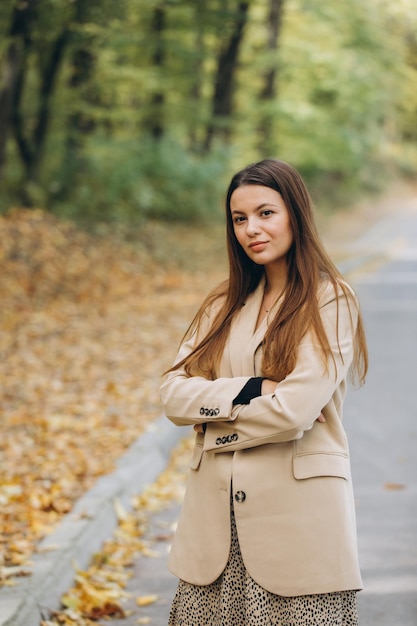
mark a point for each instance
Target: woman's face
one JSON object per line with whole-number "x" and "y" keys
{"x": 261, "y": 223}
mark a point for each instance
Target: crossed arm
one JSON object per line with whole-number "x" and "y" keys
{"x": 280, "y": 411}
{"x": 267, "y": 387}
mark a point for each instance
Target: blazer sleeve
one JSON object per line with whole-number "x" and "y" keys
{"x": 195, "y": 399}
{"x": 298, "y": 400}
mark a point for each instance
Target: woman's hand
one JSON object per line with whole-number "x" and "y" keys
{"x": 268, "y": 386}
{"x": 198, "y": 428}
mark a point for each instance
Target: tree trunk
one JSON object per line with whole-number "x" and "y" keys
{"x": 31, "y": 142}
{"x": 268, "y": 94}
{"x": 19, "y": 35}
{"x": 79, "y": 123}
{"x": 155, "y": 120}
{"x": 195, "y": 92}
{"x": 48, "y": 79}
{"x": 227, "y": 65}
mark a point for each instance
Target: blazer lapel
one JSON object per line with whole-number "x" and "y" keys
{"x": 243, "y": 352}
{"x": 244, "y": 339}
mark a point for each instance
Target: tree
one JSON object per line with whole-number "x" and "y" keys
{"x": 268, "y": 95}
{"x": 224, "y": 83}
{"x": 155, "y": 121}
{"x": 82, "y": 60}
{"x": 19, "y": 40}
{"x": 24, "y": 55}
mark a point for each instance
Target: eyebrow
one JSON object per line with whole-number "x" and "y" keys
{"x": 261, "y": 206}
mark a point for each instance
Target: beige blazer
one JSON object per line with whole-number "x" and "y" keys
{"x": 289, "y": 474}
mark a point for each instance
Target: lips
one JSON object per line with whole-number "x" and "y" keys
{"x": 257, "y": 246}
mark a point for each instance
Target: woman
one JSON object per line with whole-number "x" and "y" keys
{"x": 267, "y": 531}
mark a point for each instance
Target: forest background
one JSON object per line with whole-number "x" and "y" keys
{"x": 136, "y": 108}
{"x": 121, "y": 123}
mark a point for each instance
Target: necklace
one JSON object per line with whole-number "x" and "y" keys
{"x": 272, "y": 302}
{"x": 264, "y": 307}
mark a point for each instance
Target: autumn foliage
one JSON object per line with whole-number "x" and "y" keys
{"x": 88, "y": 324}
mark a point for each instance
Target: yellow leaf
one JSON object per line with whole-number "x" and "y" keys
{"x": 145, "y": 600}
{"x": 394, "y": 486}
{"x": 70, "y": 602}
{"x": 121, "y": 512}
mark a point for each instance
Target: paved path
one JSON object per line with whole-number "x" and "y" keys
{"x": 381, "y": 420}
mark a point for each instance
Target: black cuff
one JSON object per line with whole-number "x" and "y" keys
{"x": 251, "y": 390}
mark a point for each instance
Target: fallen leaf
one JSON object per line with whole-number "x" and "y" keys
{"x": 163, "y": 537}
{"x": 8, "y": 572}
{"x": 394, "y": 486}
{"x": 107, "y": 610}
{"x": 120, "y": 511}
{"x": 146, "y": 600}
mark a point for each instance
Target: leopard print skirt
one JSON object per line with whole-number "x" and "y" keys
{"x": 235, "y": 599}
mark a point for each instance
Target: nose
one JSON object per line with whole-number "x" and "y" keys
{"x": 252, "y": 226}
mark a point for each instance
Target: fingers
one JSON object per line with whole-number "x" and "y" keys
{"x": 268, "y": 386}
{"x": 321, "y": 418}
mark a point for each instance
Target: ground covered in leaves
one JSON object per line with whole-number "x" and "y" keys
{"x": 88, "y": 325}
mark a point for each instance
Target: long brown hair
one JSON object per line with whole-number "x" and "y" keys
{"x": 307, "y": 262}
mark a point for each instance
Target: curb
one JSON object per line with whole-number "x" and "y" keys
{"x": 82, "y": 532}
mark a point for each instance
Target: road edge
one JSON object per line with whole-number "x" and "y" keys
{"x": 82, "y": 532}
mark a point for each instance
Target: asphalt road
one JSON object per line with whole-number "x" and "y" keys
{"x": 381, "y": 421}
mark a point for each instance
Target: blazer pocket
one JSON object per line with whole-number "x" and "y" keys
{"x": 197, "y": 452}
{"x": 315, "y": 464}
